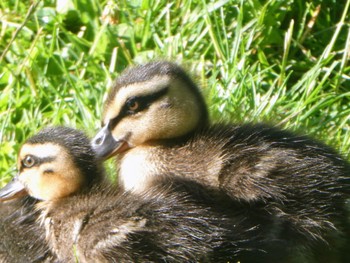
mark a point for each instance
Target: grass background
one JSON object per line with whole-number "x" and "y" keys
{"x": 285, "y": 62}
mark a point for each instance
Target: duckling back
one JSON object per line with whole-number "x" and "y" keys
{"x": 299, "y": 183}
{"x": 107, "y": 224}
{"x": 21, "y": 237}
{"x": 176, "y": 222}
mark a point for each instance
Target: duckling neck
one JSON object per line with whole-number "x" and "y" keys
{"x": 141, "y": 166}
{"x": 47, "y": 207}
{"x": 137, "y": 167}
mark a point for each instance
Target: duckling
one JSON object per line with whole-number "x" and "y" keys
{"x": 22, "y": 239}
{"x": 156, "y": 120}
{"x": 88, "y": 220}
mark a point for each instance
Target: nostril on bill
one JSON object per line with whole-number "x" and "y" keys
{"x": 98, "y": 141}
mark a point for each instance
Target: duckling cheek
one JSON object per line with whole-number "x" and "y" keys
{"x": 124, "y": 131}
{"x": 32, "y": 180}
{"x": 56, "y": 187}
{"x": 35, "y": 184}
{"x": 151, "y": 125}
{"x": 37, "y": 192}
{"x": 166, "y": 123}
{"x": 175, "y": 119}
{"x": 68, "y": 182}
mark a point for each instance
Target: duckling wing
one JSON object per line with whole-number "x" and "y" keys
{"x": 165, "y": 224}
{"x": 21, "y": 238}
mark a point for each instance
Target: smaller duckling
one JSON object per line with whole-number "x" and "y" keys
{"x": 87, "y": 221}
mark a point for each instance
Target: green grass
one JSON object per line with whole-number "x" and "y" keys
{"x": 283, "y": 62}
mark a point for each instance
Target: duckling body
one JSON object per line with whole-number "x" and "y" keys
{"x": 86, "y": 220}
{"x": 300, "y": 183}
{"x": 162, "y": 225}
{"x": 156, "y": 121}
{"x": 21, "y": 237}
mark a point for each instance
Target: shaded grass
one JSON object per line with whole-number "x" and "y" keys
{"x": 282, "y": 62}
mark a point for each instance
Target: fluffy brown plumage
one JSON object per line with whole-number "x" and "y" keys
{"x": 86, "y": 220}
{"x": 156, "y": 120}
{"x": 21, "y": 238}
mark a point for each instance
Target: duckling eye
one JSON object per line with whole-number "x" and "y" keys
{"x": 132, "y": 105}
{"x": 28, "y": 161}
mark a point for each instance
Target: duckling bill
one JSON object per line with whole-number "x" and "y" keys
{"x": 12, "y": 190}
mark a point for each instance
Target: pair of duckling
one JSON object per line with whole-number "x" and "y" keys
{"x": 87, "y": 220}
{"x": 266, "y": 194}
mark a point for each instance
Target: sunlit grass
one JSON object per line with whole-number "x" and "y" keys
{"x": 282, "y": 62}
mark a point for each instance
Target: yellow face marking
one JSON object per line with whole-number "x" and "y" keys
{"x": 39, "y": 150}
{"x": 52, "y": 179}
{"x": 173, "y": 115}
{"x": 137, "y": 89}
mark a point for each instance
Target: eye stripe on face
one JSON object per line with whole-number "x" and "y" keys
{"x": 37, "y": 161}
{"x": 143, "y": 102}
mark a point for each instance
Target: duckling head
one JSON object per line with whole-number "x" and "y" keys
{"x": 54, "y": 163}
{"x": 151, "y": 102}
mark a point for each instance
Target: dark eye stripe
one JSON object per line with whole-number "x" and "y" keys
{"x": 144, "y": 102}
{"x": 47, "y": 159}
{"x": 38, "y": 161}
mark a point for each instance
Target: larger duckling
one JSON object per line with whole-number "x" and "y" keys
{"x": 87, "y": 221}
{"x": 156, "y": 120}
